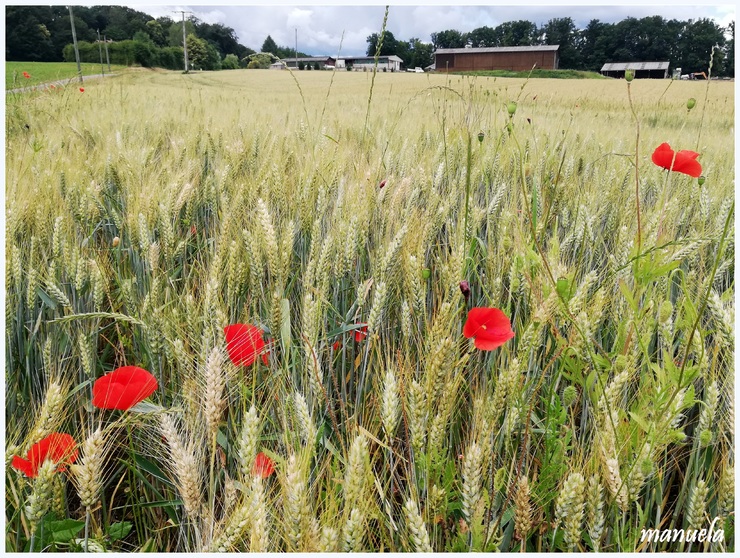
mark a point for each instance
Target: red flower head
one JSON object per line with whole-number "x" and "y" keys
{"x": 244, "y": 343}
{"x": 26, "y": 75}
{"x": 59, "y": 448}
{"x": 382, "y": 183}
{"x": 123, "y": 388}
{"x": 685, "y": 160}
{"x": 263, "y": 466}
{"x": 337, "y": 345}
{"x": 361, "y": 333}
{"x": 82, "y": 89}
{"x": 489, "y": 326}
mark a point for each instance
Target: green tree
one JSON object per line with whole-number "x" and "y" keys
{"x": 301, "y": 65}
{"x": 260, "y": 60}
{"x": 517, "y": 33}
{"x": 730, "y": 51}
{"x": 388, "y": 48}
{"x": 197, "y": 52}
{"x": 270, "y": 46}
{"x": 450, "y": 38}
{"x": 174, "y": 35}
{"x": 483, "y": 37}
{"x": 695, "y": 46}
{"x": 155, "y": 30}
{"x": 563, "y": 32}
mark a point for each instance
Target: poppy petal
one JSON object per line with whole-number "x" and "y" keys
{"x": 490, "y": 327}
{"x": 24, "y": 466}
{"x": 684, "y": 161}
{"x": 263, "y": 466}
{"x": 243, "y": 343}
{"x": 123, "y": 388}
{"x": 59, "y": 448}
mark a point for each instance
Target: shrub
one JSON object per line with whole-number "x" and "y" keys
{"x": 301, "y": 65}
{"x": 230, "y": 62}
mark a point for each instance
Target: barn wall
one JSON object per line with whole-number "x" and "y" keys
{"x": 515, "y": 61}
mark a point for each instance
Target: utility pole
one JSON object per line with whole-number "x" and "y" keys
{"x": 296, "y": 48}
{"x": 100, "y": 50}
{"x": 107, "y": 60}
{"x": 184, "y": 39}
{"x": 74, "y": 40}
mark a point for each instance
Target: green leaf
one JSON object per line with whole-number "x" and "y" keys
{"x": 46, "y": 299}
{"x": 151, "y": 468}
{"x": 64, "y": 530}
{"x": 641, "y": 422}
{"x": 118, "y": 531}
{"x": 149, "y": 546}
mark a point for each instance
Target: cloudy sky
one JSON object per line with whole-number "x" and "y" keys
{"x": 321, "y": 27}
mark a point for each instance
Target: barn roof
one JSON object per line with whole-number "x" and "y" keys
{"x": 538, "y": 48}
{"x": 308, "y": 59}
{"x": 621, "y": 66}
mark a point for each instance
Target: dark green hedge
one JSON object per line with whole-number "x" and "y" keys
{"x": 129, "y": 53}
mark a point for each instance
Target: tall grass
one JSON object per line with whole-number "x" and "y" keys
{"x": 155, "y": 208}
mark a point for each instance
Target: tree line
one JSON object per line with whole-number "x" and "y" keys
{"x": 685, "y": 44}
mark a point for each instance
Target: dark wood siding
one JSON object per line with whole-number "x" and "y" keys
{"x": 444, "y": 62}
{"x": 516, "y": 61}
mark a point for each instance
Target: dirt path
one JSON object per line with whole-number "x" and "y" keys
{"x": 61, "y": 83}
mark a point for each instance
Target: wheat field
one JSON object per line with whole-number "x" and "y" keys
{"x": 355, "y": 220}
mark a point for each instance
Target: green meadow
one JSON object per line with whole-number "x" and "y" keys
{"x": 355, "y": 220}
{"x": 45, "y": 72}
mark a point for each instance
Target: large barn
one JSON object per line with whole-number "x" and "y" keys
{"x": 518, "y": 59}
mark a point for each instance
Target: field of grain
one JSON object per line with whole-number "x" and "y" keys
{"x": 350, "y": 223}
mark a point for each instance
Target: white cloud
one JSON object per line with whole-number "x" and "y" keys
{"x": 320, "y": 27}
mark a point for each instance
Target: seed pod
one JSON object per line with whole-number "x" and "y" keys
{"x": 629, "y": 75}
{"x": 511, "y": 108}
{"x": 701, "y": 180}
{"x": 691, "y": 103}
{"x": 481, "y": 136}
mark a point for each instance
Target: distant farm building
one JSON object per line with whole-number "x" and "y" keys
{"x": 654, "y": 70}
{"x": 322, "y": 61}
{"x": 518, "y": 59}
{"x": 389, "y": 63}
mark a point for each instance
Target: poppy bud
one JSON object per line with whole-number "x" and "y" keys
{"x": 426, "y": 273}
{"x": 629, "y": 75}
{"x": 116, "y": 241}
{"x": 481, "y": 135}
{"x": 701, "y": 180}
{"x": 691, "y": 103}
{"x": 465, "y": 289}
{"x": 511, "y": 108}
{"x": 82, "y": 89}
{"x": 382, "y": 183}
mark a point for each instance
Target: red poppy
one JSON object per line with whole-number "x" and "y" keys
{"x": 685, "y": 161}
{"x": 382, "y": 183}
{"x": 361, "y": 333}
{"x": 337, "y": 345}
{"x": 123, "y": 388}
{"x": 59, "y": 448}
{"x": 82, "y": 89}
{"x": 263, "y": 466}
{"x": 489, "y": 326}
{"x": 26, "y": 75}
{"x": 193, "y": 230}
{"x": 244, "y": 343}
{"x": 53, "y": 86}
